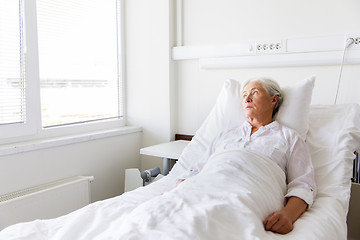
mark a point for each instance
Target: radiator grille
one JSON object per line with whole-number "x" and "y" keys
{"x": 45, "y": 201}
{"x": 43, "y": 187}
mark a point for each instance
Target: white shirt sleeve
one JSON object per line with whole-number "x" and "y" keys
{"x": 300, "y": 173}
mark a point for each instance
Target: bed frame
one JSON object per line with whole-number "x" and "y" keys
{"x": 353, "y": 218}
{"x": 183, "y": 137}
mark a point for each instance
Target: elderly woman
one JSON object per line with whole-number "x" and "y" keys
{"x": 262, "y": 134}
{"x": 261, "y": 100}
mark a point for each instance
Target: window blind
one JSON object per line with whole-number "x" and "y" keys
{"x": 78, "y": 43}
{"x": 12, "y": 64}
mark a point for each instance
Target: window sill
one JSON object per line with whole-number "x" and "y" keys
{"x": 21, "y": 147}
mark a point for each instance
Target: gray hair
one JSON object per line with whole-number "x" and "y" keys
{"x": 271, "y": 87}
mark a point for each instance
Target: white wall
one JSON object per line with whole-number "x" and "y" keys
{"x": 106, "y": 159}
{"x": 231, "y": 21}
{"x": 214, "y": 21}
{"x": 149, "y": 71}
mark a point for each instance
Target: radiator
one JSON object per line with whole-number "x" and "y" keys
{"x": 45, "y": 201}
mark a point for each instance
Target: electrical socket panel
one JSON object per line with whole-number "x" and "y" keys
{"x": 269, "y": 47}
{"x": 357, "y": 41}
{"x": 356, "y": 44}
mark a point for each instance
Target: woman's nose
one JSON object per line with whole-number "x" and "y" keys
{"x": 248, "y": 98}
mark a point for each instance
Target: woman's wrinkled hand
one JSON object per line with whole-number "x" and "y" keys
{"x": 279, "y": 222}
{"x": 283, "y": 221}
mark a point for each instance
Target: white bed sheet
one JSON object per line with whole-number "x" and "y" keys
{"x": 207, "y": 207}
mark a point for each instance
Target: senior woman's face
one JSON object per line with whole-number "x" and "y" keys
{"x": 257, "y": 103}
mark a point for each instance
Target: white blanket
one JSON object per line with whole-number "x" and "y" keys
{"x": 228, "y": 199}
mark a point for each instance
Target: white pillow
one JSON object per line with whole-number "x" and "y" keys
{"x": 294, "y": 111}
{"x": 227, "y": 113}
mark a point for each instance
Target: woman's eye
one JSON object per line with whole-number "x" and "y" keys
{"x": 255, "y": 92}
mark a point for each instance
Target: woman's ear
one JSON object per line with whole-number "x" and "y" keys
{"x": 275, "y": 99}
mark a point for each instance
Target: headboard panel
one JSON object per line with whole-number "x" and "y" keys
{"x": 183, "y": 137}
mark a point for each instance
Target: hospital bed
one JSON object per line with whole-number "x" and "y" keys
{"x": 230, "y": 200}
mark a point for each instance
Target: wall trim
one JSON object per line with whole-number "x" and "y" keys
{"x": 306, "y": 51}
{"x": 21, "y": 147}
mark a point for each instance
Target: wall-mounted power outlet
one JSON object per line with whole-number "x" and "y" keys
{"x": 357, "y": 40}
{"x": 269, "y": 47}
{"x": 356, "y": 44}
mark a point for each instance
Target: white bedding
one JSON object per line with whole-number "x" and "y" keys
{"x": 229, "y": 199}
{"x": 226, "y": 200}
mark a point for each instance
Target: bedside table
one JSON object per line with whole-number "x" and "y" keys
{"x": 167, "y": 151}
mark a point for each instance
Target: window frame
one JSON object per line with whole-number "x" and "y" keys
{"x": 32, "y": 129}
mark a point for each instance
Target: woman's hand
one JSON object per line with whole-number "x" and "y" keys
{"x": 282, "y": 221}
{"x": 279, "y": 222}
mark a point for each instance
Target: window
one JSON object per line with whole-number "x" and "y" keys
{"x": 11, "y": 64}
{"x": 78, "y": 61}
{"x": 73, "y": 74}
